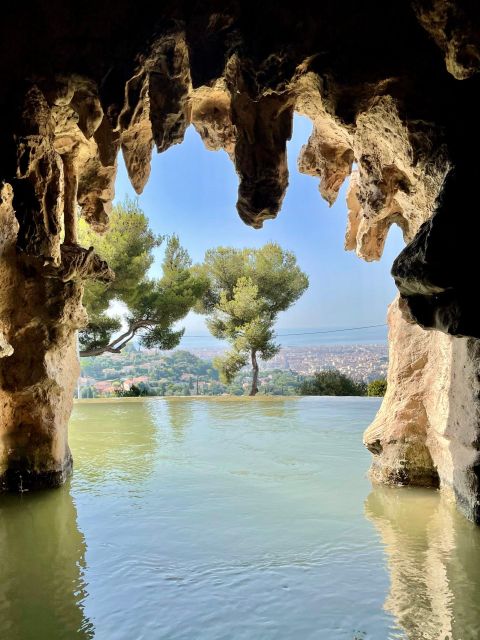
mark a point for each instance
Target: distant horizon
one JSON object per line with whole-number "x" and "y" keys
{"x": 333, "y": 328}
{"x": 308, "y": 337}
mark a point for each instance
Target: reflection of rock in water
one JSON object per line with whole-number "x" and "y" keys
{"x": 113, "y": 440}
{"x": 433, "y": 557}
{"x": 42, "y": 559}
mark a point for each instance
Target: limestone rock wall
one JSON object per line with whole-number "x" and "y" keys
{"x": 454, "y": 26}
{"x": 398, "y": 436}
{"x": 38, "y": 368}
{"x": 42, "y": 269}
{"x": 426, "y": 431}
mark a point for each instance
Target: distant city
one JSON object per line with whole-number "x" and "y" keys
{"x": 190, "y": 372}
{"x": 358, "y": 361}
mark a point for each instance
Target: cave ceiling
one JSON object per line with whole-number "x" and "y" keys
{"x": 391, "y": 88}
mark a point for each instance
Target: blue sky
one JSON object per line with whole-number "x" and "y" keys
{"x": 192, "y": 192}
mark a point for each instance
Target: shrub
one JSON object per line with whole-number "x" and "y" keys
{"x": 332, "y": 383}
{"x": 377, "y": 387}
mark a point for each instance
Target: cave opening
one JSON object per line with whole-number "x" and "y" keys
{"x": 344, "y": 305}
{"x": 191, "y": 192}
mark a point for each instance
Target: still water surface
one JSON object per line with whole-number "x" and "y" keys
{"x": 244, "y": 519}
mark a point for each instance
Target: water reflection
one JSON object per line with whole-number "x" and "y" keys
{"x": 274, "y": 408}
{"x": 113, "y": 441}
{"x": 433, "y": 560}
{"x": 235, "y": 409}
{"x": 180, "y": 414}
{"x": 42, "y": 561}
{"x": 233, "y": 519}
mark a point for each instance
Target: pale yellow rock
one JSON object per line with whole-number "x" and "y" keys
{"x": 390, "y": 187}
{"x": 41, "y": 292}
{"x": 328, "y": 153}
{"x": 450, "y": 26}
{"x": 426, "y": 431}
{"x": 211, "y": 115}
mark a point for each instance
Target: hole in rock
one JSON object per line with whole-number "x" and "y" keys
{"x": 338, "y": 322}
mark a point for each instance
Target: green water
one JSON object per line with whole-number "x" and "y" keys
{"x": 240, "y": 519}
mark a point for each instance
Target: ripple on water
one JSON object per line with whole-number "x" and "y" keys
{"x": 233, "y": 519}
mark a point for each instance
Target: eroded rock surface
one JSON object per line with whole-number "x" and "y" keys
{"x": 455, "y": 27}
{"x": 41, "y": 293}
{"x": 427, "y": 430}
{"x": 398, "y": 436}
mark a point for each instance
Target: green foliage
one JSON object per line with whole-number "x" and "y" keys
{"x": 98, "y": 332}
{"x": 178, "y": 373}
{"x": 176, "y": 258}
{"x": 162, "y": 337}
{"x": 282, "y": 383}
{"x": 377, "y": 387}
{"x": 135, "y": 391}
{"x": 88, "y": 392}
{"x": 153, "y": 305}
{"x": 127, "y": 247}
{"x": 247, "y": 290}
{"x": 229, "y": 365}
{"x": 332, "y": 383}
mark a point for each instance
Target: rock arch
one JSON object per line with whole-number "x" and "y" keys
{"x": 390, "y": 87}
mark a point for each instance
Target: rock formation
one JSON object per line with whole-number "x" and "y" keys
{"x": 426, "y": 432}
{"x": 391, "y": 88}
{"x": 41, "y": 280}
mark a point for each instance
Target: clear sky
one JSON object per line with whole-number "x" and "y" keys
{"x": 192, "y": 192}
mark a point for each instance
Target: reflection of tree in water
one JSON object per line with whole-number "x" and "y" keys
{"x": 180, "y": 413}
{"x": 113, "y": 440}
{"x": 433, "y": 557}
{"x": 246, "y": 408}
{"x": 274, "y": 407}
{"x": 42, "y": 560}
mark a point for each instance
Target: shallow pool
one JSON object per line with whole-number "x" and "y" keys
{"x": 233, "y": 519}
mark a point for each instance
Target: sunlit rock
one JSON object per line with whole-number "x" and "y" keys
{"x": 455, "y": 29}
{"x": 211, "y": 115}
{"x": 42, "y": 290}
{"x": 426, "y": 432}
{"x": 328, "y": 153}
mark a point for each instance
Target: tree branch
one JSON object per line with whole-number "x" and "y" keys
{"x": 119, "y": 343}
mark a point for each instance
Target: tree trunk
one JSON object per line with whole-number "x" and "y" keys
{"x": 254, "y": 388}
{"x": 119, "y": 343}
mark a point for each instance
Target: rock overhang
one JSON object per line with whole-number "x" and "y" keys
{"x": 389, "y": 87}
